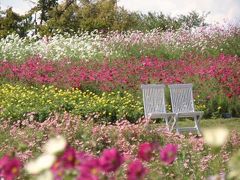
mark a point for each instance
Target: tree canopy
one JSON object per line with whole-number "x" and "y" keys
{"x": 73, "y": 16}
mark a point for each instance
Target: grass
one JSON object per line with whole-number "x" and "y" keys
{"x": 231, "y": 123}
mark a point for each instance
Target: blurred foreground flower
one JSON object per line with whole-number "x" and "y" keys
{"x": 136, "y": 170}
{"x": 145, "y": 151}
{"x": 215, "y": 136}
{"x": 168, "y": 153}
{"x": 110, "y": 160}
{"x": 47, "y": 175}
{"x": 43, "y": 162}
{"x": 234, "y": 165}
{"x": 55, "y": 145}
{"x": 217, "y": 177}
{"x": 89, "y": 168}
{"x": 68, "y": 158}
{"x": 9, "y": 167}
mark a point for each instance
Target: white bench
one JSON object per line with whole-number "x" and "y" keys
{"x": 154, "y": 104}
{"x": 183, "y": 105}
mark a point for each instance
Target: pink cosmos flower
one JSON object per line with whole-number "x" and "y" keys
{"x": 145, "y": 151}
{"x": 9, "y": 167}
{"x": 110, "y": 160}
{"x": 136, "y": 170}
{"x": 68, "y": 158}
{"x": 81, "y": 157}
{"x": 66, "y": 161}
{"x": 57, "y": 170}
{"x": 168, "y": 153}
{"x": 89, "y": 169}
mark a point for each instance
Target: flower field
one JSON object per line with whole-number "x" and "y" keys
{"x": 86, "y": 88}
{"x": 121, "y": 150}
{"x": 215, "y": 79}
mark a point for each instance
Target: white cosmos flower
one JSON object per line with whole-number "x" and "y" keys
{"x": 55, "y": 145}
{"x": 215, "y": 136}
{"x": 43, "y": 162}
{"x": 47, "y": 175}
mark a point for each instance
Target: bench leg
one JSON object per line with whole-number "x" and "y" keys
{"x": 174, "y": 124}
{"x": 167, "y": 122}
{"x": 197, "y": 126}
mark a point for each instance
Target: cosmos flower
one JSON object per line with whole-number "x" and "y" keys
{"x": 145, "y": 151}
{"x": 168, "y": 153}
{"x": 110, "y": 160}
{"x": 136, "y": 170}
{"x": 215, "y": 136}
{"x": 55, "y": 145}
{"x": 9, "y": 167}
{"x": 43, "y": 162}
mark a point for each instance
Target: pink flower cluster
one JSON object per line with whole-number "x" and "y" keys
{"x": 120, "y": 74}
{"x": 90, "y": 167}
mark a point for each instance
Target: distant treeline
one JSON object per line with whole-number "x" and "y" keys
{"x": 49, "y": 16}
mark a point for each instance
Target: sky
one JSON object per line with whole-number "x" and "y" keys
{"x": 220, "y": 10}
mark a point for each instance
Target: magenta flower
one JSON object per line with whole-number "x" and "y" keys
{"x": 145, "y": 151}
{"x": 89, "y": 168}
{"x": 168, "y": 153}
{"x": 136, "y": 170}
{"x": 57, "y": 170}
{"x": 68, "y": 158}
{"x": 81, "y": 157}
{"x": 66, "y": 161}
{"x": 9, "y": 167}
{"x": 110, "y": 160}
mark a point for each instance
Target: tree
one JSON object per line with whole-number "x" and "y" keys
{"x": 11, "y": 22}
{"x": 193, "y": 19}
{"x": 45, "y": 6}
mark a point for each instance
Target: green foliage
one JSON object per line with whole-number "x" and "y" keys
{"x": 211, "y": 98}
{"x": 231, "y": 45}
{"x": 220, "y": 104}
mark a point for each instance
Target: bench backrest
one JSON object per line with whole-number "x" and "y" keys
{"x": 153, "y": 98}
{"x": 181, "y": 97}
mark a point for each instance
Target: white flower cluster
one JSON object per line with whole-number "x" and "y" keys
{"x": 97, "y": 46}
